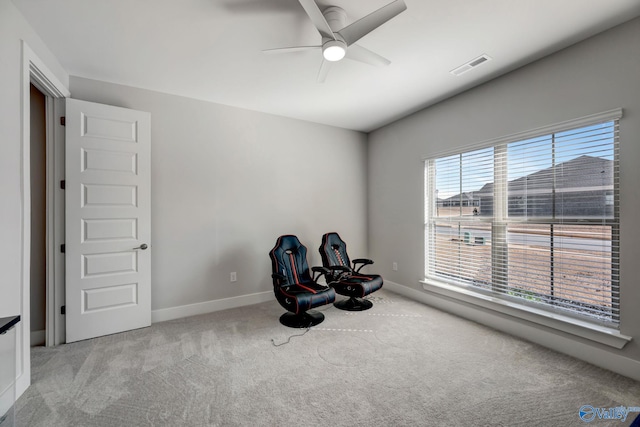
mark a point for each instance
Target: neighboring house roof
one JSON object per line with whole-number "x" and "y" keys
{"x": 470, "y": 195}
{"x": 577, "y": 174}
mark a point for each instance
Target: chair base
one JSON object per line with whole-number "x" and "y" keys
{"x": 353, "y": 304}
{"x": 303, "y": 320}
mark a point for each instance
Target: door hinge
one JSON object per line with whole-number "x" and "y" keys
{"x": 63, "y": 309}
{"x": 63, "y": 121}
{"x": 63, "y": 184}
{"x": 62, "y": 248}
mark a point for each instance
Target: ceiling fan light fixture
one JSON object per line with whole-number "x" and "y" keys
{"x": 334, "y": 50}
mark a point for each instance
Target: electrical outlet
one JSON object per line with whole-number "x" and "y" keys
{"x": 233, "y": 276}
{"x": 395, "y": 266}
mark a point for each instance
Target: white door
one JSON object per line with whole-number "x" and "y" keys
{"x": 107, "y": 220}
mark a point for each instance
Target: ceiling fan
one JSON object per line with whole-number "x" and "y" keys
{"x": 338, "y": 40}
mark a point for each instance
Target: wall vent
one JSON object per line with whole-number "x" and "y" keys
{"x": 470, "y": 65}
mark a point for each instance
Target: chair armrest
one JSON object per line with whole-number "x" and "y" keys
{"x": 363, "y": 261}
{"x": 281, "y": 277}
{"x": 322, "y": 271}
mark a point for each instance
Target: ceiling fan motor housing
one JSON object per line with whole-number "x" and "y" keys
{"x": 334, "y": 50}
{"x": 336, "y": 17}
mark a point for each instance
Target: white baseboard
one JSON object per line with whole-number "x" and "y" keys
{"x": 38, "y": 338}
{"x": 560, "y": 342}
{"x": 179, "y": 312}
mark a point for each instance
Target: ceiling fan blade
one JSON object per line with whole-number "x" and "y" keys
{"x": 317, "y": 18}
{"x": 354, "y": 32}
{"x": 324, "y": 70}
{"x": 290, "y": 49}
{"x": 361, "y": 54}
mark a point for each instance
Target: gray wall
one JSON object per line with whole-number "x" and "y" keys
{"x": 227, "y": 182}
{"x": 596, "y": 75}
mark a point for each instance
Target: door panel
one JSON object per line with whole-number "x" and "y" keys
{"x": 109, "y": 161}
{"x": 110, "y": 297}
{"x": 108, "y": 273}
{"x": 104, "y": 196}
{"x": 101, "y": 230}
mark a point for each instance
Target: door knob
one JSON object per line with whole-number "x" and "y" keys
{"x": 142, "y": 246}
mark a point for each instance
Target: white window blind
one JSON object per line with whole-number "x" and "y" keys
{"x": 534, "y": 221}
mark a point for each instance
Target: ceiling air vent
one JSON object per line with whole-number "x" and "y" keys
{"x": 470, "y": 65}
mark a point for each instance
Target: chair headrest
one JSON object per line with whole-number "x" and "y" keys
{"x": 333, "y": 240}
{"x": 288, "y": 242}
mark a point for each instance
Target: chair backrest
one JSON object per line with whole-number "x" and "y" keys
{"x": 289, "y": 258}
{"x": 333, "y": 251}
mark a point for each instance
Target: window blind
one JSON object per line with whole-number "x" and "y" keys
{"x": 534, "y": 220}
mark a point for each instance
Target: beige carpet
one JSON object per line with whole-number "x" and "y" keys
{"x": 399, "y": 364}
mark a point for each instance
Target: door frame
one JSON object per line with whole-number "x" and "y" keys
{"x": 35, "y": 71}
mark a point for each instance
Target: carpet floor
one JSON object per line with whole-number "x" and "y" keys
{"x": 400, "y": 363}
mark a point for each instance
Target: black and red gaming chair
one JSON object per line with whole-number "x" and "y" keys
{"x": 295, "y": 289}
{"x": 346, "y": 279}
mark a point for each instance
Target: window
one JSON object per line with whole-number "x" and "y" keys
{"x": 532, "y": 220}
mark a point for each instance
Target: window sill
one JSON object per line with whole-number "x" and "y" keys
{"x": 601, "y": 334}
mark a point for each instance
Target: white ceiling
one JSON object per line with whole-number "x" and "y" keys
{"x": 212, "y": 49}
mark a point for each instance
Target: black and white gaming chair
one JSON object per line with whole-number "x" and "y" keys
{"x": 347, "y": 279}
